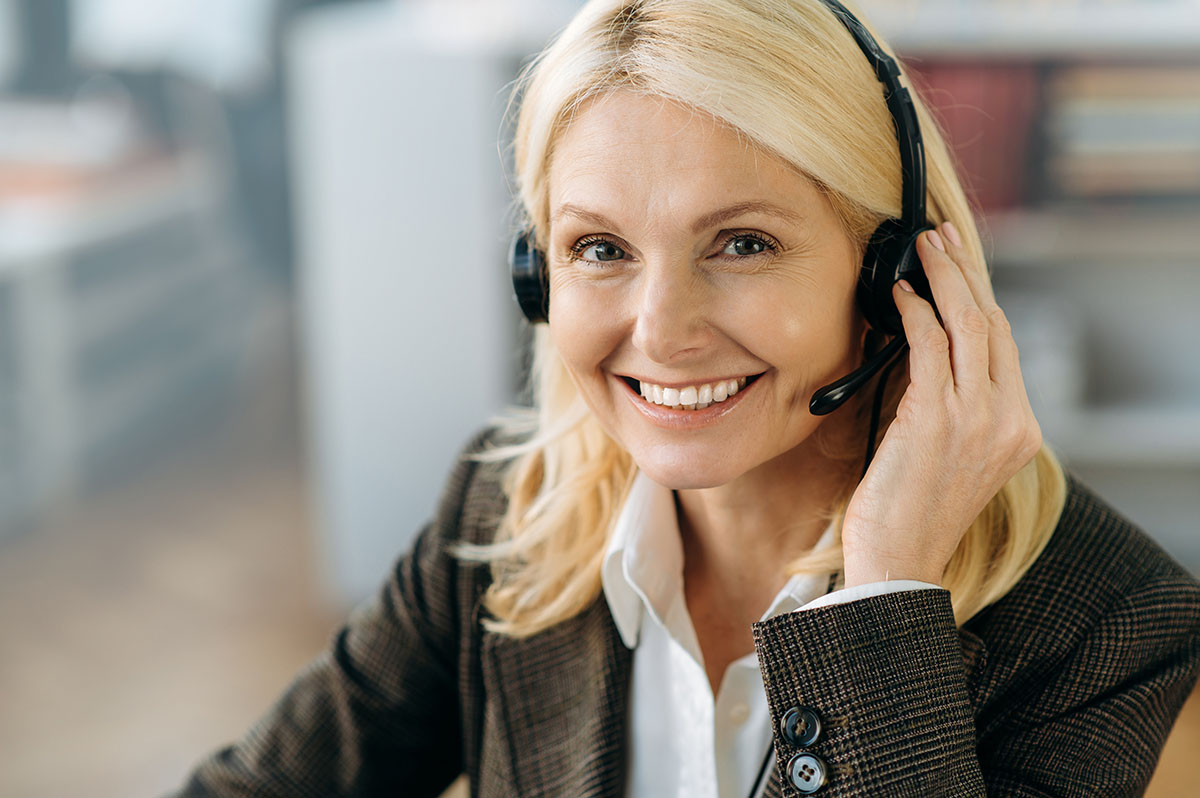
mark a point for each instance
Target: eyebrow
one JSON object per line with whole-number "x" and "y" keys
{"x": 703, "y": 223}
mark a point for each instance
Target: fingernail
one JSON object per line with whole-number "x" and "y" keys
{"x": 952, "y": 234}
{"x": 936, "y": 240}
{"x": 906, "y": 287}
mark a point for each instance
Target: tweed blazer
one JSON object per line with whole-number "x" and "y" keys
{"x": 1067, "y": 686}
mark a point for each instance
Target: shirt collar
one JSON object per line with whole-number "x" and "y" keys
{"x": 643, "y": 563}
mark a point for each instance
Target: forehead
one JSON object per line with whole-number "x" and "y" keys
{"x": 651, "y": 150}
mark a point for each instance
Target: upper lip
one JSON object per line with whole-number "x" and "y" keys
{"x": 685, "y": 384}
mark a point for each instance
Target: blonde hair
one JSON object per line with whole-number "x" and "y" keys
{"x": 788, "y": 76}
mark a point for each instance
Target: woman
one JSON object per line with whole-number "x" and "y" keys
{"x": 674, "y": 578}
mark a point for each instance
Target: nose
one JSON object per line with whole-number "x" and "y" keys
{"x": 670, "y": 312}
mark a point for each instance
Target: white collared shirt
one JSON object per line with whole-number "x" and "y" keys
{"x": 683, "y": 740}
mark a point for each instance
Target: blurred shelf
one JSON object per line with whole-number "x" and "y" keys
{"x": 196, "y": 334}
{"x": 36, "y": 228}
{"x": 1165, "y": 29}
{"x": 1052, "y": 237}
{"x": 1126, "y": 436}
{"x": 126, "y": 300}
{"x": 115, "y": 306}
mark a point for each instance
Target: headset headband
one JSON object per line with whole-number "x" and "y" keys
{"x": 904, "y": 117}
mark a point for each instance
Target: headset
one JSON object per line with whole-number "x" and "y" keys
{"x": 890, "y": 254}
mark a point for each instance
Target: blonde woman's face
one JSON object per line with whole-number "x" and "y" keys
{"x": 683, "y": 259}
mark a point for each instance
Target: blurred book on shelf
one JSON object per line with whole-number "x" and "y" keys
{"x": 1115, "y": 131}
{"x": 1027, "y": 133}
{"x": 986, "y": 111}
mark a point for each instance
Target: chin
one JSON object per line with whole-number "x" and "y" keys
{"x": 678, "y": 472}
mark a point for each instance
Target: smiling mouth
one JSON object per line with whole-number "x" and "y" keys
{"x": 692, "y": 397}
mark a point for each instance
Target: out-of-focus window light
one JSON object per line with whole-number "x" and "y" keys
{"x": 221, "y": 43}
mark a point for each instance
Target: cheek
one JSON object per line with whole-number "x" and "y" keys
{"x": 810, "y": 331}
{"x": 581, "y": 329}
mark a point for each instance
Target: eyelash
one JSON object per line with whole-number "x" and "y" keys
{"x": 769, "y": 245}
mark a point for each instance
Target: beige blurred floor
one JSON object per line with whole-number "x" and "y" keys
{"x": 143, "y": 628}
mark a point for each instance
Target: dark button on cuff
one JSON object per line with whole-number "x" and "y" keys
{"x": 800, "y": 727}
{"x": 807, "y": 772}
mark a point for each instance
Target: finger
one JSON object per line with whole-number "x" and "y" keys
{"x": 1003, "y": 361}
{"x": 929, "y": 348}
{"x": 966, "y": 326}
{"x": 974, "y": 273}
{"x": 1004, "y": 366}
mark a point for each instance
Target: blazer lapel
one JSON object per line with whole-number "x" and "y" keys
{"x": 561, "y": 701}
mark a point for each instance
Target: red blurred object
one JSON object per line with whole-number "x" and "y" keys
{"x": 986, "y": 111}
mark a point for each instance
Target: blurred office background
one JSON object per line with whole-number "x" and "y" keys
{"x": 253, "y": 297}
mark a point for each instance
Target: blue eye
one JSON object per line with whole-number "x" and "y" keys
{"x": 605, "y": 250}
{"x": 747, "y": 245}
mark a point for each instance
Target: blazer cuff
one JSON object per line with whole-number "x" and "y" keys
{"x": 886, "y": 679}
{"x": 867, "y": 591}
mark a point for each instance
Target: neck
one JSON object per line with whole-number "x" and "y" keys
{"x": 738, "y": 538}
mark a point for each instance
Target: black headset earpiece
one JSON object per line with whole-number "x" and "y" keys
{"x": 890, "y": 256}
{"x": 529, "y": 276}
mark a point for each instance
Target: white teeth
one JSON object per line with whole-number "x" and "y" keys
{"x": 692, "y": 397}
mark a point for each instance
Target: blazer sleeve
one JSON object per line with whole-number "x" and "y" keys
{"x": 886, "y": 676}
{"x": 377, "y": 713}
